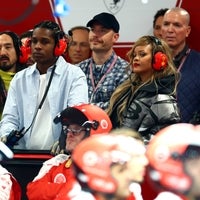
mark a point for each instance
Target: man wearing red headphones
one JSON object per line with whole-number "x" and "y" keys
{"x": 9, "y": 62}
{"x": 41, "y": 91}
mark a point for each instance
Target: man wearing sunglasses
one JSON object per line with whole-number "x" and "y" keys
{"x": 55, "y": 177}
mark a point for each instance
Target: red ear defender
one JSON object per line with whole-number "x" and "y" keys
{"x": 160, "y": 61}
{"x": 60, "y": 47}
{"x": 25, "y": 51}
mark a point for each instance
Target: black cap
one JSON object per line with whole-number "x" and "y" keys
{"x": 71, "y": 116}
{"x": 107, "y": 20}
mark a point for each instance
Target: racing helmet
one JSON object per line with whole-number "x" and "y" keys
{"x": 166, "y": 153}
{"x": 94, "y": 156}
{"x": 90, "y": 116}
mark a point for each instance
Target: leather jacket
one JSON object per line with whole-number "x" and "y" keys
{"x": 150, "y": 108}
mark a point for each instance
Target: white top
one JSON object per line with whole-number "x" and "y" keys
{"x": 41, "y": 136}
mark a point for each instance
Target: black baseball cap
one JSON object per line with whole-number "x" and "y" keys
{"x": 107, "y": 20}
{"x": 69, "y": 116}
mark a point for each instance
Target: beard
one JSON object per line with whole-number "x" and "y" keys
{"x": 6, "y": 68}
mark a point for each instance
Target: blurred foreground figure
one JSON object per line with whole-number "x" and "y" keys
{"x": 9, "y": 186}
{"x": 174, "y": 161}
{"x": 106, "y": 166}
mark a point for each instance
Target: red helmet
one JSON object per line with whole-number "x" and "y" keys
{"x": 92, "y": 117}
{"x": 166, "y": 153}
{"x": 94, "y": 156}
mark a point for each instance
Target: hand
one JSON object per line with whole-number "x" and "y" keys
{"x": 3, "y": 139}
{"x": 55, "y": 149}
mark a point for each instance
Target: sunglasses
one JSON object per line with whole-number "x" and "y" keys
{"x": 73, "y": 131}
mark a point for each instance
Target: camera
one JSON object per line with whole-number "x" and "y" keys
{"x": 13, "y": 137}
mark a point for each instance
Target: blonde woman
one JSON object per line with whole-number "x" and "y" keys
{"x": 146, "y": 101}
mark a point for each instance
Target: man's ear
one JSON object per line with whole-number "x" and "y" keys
{"x": 188, "y": 31}
{"x": 116, "y": 37}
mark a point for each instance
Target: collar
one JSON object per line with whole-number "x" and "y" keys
{"x": 106, "y": 63}
{"x": 68, "y": 163}
{"x": 178, "y": 58}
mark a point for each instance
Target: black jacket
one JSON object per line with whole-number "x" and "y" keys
{"x": 150, "y": 108}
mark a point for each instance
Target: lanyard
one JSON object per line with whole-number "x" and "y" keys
{"x": 183, "y": 60}
{"x": 103, "y": 77}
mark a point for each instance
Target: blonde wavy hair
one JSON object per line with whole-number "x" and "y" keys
{"x": 133, "y": 83}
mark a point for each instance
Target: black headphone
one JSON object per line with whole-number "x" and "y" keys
{"x": 159, "y": 59}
